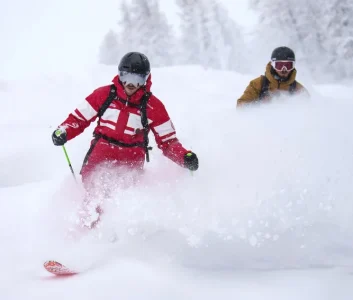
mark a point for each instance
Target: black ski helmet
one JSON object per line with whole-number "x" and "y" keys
{"x": 283, "y": 53}
{"x": 135, "y": 62}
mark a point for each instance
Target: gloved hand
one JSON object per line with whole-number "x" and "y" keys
{"x": 191, "y": 161}
{"x": 59, "y": 137}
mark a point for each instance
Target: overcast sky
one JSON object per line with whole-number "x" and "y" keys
{"x": 53, "y": 35}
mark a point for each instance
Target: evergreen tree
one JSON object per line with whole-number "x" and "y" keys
{"x": 143, "y": 28}
{"x": 108, "y": 52}
{"x": 340, "y": 43}
{"x": 190, "y": 48}
{"x": 234, "y": 50}
{"x": 209, "y": 36}
{"x": 125, "y": 25}
{"x": 158, "y": 38}
{"x": 321, "y": 33}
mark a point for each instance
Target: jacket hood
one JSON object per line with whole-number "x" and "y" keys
{"x": 136, "y": 97}
{"x": 272, "y": 79}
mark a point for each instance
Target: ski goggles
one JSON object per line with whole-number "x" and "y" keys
{"x": 132, "y": 78}
{"x": 280, "y": 65}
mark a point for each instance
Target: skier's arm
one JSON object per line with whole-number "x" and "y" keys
{"x": 251, "y": 93}
{"x": 165, "y": 135}
{"x": 83, "y": 115}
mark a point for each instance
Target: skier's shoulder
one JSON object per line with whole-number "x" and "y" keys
{"x": 156, "y": 109}
{"x": 154, "y": 102}
{"x": 256, "y": 83}
{"x": 100, "y": 94}
{"x": 103, "y": 90}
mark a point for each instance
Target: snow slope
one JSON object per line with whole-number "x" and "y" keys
{"x": 267, "y": 216}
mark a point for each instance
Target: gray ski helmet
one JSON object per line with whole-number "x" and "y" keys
{"x": 135, "y": 62}
{"x": 283, "y": 53}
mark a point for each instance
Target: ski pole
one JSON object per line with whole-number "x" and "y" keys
{"x": 68, "y": 161}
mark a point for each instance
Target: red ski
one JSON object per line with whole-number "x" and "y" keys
{"x": 58, "y": 269}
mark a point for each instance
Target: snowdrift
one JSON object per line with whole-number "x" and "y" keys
{"x": 273, "y": 192}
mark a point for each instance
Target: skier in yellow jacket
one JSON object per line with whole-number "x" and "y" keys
{"x": 279, "y": 78}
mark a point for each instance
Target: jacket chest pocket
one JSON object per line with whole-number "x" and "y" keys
{"x": 110, "y": 118}
{"x": 134, "y": 125}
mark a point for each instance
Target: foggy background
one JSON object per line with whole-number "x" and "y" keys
{"x": 226, "y": 35}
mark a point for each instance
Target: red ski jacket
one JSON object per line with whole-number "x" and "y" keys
{"x": 122, "y": 122}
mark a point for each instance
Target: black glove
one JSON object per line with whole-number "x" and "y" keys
{"x": 191, "y": 161}
{"x": 59, "y": 137}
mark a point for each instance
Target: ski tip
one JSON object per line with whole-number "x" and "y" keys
{"x": 58, "y": 269}
{"x": 52, "y": 263}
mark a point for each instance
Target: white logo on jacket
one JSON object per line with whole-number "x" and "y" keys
{"x": 73, "y": 125}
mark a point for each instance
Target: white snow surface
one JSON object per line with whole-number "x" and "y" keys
{"x": 268, "y": 215}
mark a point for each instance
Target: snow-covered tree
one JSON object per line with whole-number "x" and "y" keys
{"x": 279, "y": 25}
{"x": 340, "y": 32}
{"x": 125, "y": 25}
{"x": 208, "y": 36}
{"x": 234, "y": 50}
{"x": 154, "y": 36}
{"x": 190, "y": 48}
{"x": 109, "y": 50}
{"x": 143, "y": 28}
{"x": 319, "y": 31}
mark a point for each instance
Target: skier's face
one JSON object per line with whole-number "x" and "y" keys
{"x": 130, "y": 89}
{"x": 132, "y": 81}
{"x": 283, "y": 73}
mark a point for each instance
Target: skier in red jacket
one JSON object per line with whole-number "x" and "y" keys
{"x": 126, "y": 112}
